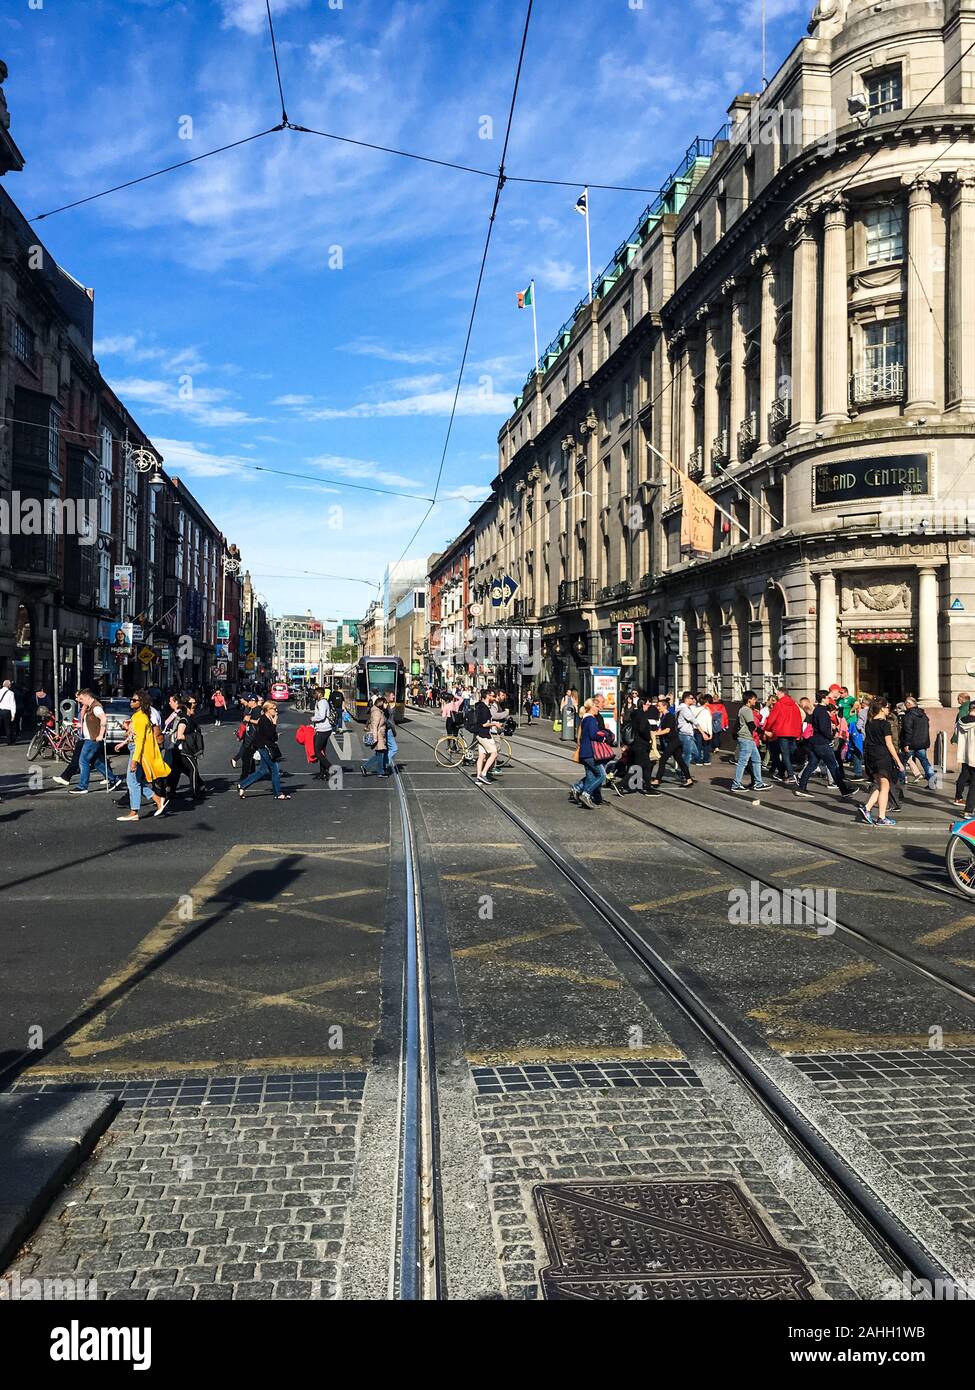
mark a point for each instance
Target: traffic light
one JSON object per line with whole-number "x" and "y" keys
{"x": 674, "y": 638}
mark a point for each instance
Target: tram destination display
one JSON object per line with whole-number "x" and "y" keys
{"x": 859, "y": 480}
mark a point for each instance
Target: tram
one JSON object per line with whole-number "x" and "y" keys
{"x": 372, "y": 676}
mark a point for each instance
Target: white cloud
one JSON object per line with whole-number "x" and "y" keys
{"x": 561, "y": 275}
{"x": 251, "y": 15}
{"x": 473, "y": 400}
{"x": 367, "y": 347}
{"x": 292, "y": 400}
{"x": 362, "y": 470}
{"x": 201, "y": 405}
{"x": 196, "y": 460}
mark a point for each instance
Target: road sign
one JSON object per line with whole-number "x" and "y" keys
{"x": 147, "y": 656}
{"x": 476, "y": 610}
{"x": 628, "y": 660}
{"x": 957, "y": 606}
{"x": 625, "y": 634}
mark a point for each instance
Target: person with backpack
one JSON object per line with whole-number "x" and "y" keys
{"x": 916, "y": 740}
{"x": 323, "y": 722}
{"x": 479, "y": 722}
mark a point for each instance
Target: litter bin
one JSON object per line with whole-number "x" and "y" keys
{"x": 569, "y": 724}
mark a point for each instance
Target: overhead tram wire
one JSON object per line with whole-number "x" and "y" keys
{"x": 480, "y": 280}
{"x": 277, "y": 66}
{"x": 241, "y": 463}
{"x": 144, "y": 178}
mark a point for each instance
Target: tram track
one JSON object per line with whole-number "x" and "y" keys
{"x": 874, "y": 1216}
{"x": 928, "y": 966}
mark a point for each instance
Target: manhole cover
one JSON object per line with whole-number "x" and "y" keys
{"x": 662, "y": 1240}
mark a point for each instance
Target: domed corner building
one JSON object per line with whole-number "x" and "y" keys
{"x": 821, "y": 340}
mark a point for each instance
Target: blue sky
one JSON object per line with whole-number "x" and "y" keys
{"x": 219, "y": 319}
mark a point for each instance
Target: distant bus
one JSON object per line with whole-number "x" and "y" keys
{"x": 372, "y": 676}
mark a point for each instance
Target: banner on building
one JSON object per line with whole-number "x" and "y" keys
{"x": 696, "y": 518}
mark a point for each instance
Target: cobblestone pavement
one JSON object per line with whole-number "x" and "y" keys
{"x": 247, "y": 1200}
{"x": 605, "y": 1135}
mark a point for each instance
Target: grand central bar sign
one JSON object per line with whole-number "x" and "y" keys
{"x": 858, "y": 480}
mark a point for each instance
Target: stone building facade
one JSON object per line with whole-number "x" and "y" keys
{"x": 792, "y": 325}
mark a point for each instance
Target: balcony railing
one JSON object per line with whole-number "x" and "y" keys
{"x": 719, "y": 449}
{"x": 548, "y": 610}
{"x": 523, "y": 610}
{"x": 573, "y": 592}
{"x": 779, "y": 417}
{"x": 877, "y": 384}
{"x": 748, "y": 435}
{"x": 695, "y": 464}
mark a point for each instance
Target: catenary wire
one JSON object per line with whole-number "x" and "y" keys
{"x": 144, "y": 178}
{"x": 480, "y": 279}
{"x": 277, "y": 66}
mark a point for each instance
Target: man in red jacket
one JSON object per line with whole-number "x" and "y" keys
{"x": 783, "y": 728}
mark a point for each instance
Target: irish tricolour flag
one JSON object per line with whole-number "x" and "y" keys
{"x": 525, "y": 298}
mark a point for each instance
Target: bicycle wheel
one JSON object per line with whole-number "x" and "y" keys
{"x": 38, "y": 747}
{"x": 504, "y": 753}
{"x": 960, "y": 863}
{"x": 449, "y": 751}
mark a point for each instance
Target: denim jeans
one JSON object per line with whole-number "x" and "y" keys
{"x": 378, "y": 763}
{"x": 748, "y": 757}
{"x": 266, "y": 767}
{"x": 594, "y": 778}
{"x": 89, "y": 751}
{"x": 920, "y": 755}
{"x": 688, "y": 745}
{"x": 703, "y": 749}
{"x": 821, "y": 752}
{"x": 139, "y": 790}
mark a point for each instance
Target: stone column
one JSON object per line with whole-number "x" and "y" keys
{"x": 710, "y": 324}
{"x": 929, "y": 692}
{"x": 961, "y": 282}
{"x": 736, "y": 400}
{"x": 920, "y": 295}
{"x": 687, "y": 407}
{"x": 766, "y": 378}
{"x": 835, "y": 350}
{"x": 804, "y": 315}
{"x": 827, "y": 629}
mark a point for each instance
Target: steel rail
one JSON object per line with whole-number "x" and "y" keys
{"x": 895, "y": 1242}
{"x": 874, "y": 943}
{"x": 417, "y": 1266}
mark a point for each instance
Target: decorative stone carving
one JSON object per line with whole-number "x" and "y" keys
{"x": 878, "y": 598}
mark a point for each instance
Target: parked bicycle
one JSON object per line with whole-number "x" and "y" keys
{"x": 48, "y": 744}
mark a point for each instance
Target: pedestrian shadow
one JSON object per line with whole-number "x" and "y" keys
{"x": 7, "y": 816}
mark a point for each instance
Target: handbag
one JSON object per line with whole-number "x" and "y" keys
{"x": 602, "y": 750}
{"x": 274, "y": 751}
{"x": 369, "y": 740}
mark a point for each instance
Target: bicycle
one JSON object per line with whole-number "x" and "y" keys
{"x": 48, "y": 745}
{"x": 453, "y": 750}
{"x": 960, "y": 856}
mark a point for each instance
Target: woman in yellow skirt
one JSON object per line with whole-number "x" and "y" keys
{"x": 147, "y": 763}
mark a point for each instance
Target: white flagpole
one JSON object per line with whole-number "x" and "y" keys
{"x": 588, "y": 249}
{"x": 535, "y": 327}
